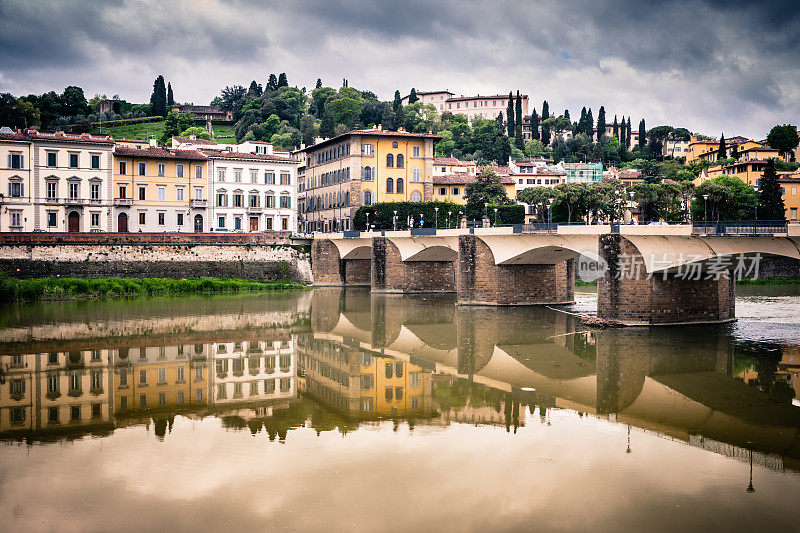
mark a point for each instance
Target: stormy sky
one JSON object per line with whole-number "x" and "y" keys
{"x": 711, "y": 66}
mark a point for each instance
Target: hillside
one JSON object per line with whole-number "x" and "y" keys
{"x": 223, "y": 133}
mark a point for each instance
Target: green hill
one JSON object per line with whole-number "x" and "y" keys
{"x": 223, "y": 133}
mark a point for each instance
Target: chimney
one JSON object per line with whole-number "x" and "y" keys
{"x": 153, "y": 143}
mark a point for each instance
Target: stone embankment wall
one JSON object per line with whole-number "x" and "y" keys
{"x": 265, "y": 259}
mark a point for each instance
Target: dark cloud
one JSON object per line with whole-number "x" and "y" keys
{"x": 705, "y": 64}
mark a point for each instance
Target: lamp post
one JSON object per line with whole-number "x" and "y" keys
{"x": 367, "y": 220}
{"x": 755, "y": 201}
{"x": 550, "y": 211}
{"x": 705, "y": 213}
{"x": 448, "y": 219}
{"x": 495, "y": 217}
{"x": 460, "y": 215}
{"x": 394, "y": 221}
{"x": 486, "y": 209}
{"x": 436, "y": 217}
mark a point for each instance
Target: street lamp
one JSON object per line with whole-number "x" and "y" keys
{"x": 705, "y": 213}
{"x": 367, "y": 220}
{"x": 495, "y": 217}
{"x": 436, "y": 217}
{"x": 460, "y": 215}
{"x": 448, "y": 219}
{"x": 486, "y": 209}
{"x": 550, "y": 211}
{"x": 394, "y": 221}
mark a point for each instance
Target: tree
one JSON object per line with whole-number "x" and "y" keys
{"x": 282, "y": 81}
{"x": 735, "y": 152}
{"x": 174, "y": 124}
{"x": 628, "y": 133}
{"x": 601, "y": 124}
{"x": 197, "y": 131}
{"x": 539, "y": 200}
{"x": 308, "y": 129}
{"x": 158, "y": 99}
{"x": 534, "y": 125}
{"x": 784, "y": 139}
{"x": 582, "y": 121}
{"x": 73, "y": 102}
{"x": 545, "y": 129}
{"x": 412, "y": 97}
{"x": 642, "y": 133}
{"x": 622, "y": 134}
{"x": 589, "y": 131}
{"x": 397, "y": 108}
{"x": 770, "y": 200}
{"x": 722, "y": 151}
{"x": 327, "y": 126}
{"x": 254, "y": 91}
{"x": 486, "y": 189}
{"x": 615, "y": 128}
{"x": 510, "y": 115}
{"x": 170, "y": 97}
{"x": 518, "y": 141}
{"x": 319, "y": 83}
{"x": 272, "y": 83}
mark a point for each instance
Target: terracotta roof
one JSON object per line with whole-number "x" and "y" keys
{"x": 13, "y": 137}
{"x": 60, "y": 136}
{"x": 629, "y": 173}
{"x": 451, "y": 162}
{"x": 224, "y": 154}
{"x": 160, "y": 153}
{"x": 501, "y": 171}
{"x": 131, "y": 140}
{"x": 429, "y": 92}
{"x": 744, "y": 163}
{"x": 189, "y": 140}
{"x": 464, "y": 179}
{"x": 544, "y": 172}
{"x": 759, "y": 149}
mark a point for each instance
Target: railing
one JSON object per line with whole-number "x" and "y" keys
{"x": 546, "y": 227}
{"x": 123, "y": 201}
{"x": 423, "y": 231}
{"x": 740, "y": 227}
{"x": 74, "y": 201}
{"x": 352, "y": 233}
{"x": 197, "y": 203}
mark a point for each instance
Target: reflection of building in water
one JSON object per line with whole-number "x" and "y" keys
{"x": 253, "y": 370}
{"x": 780, "y": 379}
{"x": 362, "y": 382}
{"x": 56, "y": 392}
{"x": 160, "y": 377}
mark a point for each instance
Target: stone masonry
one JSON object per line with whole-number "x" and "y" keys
{"x": 391, "y": 274}
{"x": 331, "y": 270}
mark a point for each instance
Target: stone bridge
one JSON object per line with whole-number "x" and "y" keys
{"x": 647, "y": 275}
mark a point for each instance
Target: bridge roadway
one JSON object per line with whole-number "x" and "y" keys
{"x": 648, "y": 275}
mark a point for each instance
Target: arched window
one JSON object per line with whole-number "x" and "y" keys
{"x": 366, "y": 173}
{"x": 415, "y": 176}
{"x": 394, "y": 144}
{"x": 416, "y": 196}
{"x": 390, "y": 185}
{"x": 389, "y": 160}
{"x": 367, "y": 198}
{"x": 399, "y": 160}
{"x": 399, "y": 185}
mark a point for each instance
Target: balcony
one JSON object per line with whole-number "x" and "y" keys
{"x": 252, "y": 209}
{"x": 123, "y": 202}
{"x": 199, "y": 204}
{"x": 4, "y": 199}
{"x": 74, "y": 201}
{"x": 52, "y": 201}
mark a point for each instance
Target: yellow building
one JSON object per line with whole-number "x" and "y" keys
{"x": 445, "y": 166}
{"x": 790, "y": 186}
{"x": 452, "y": 187}
{"x": 159, "y": 189}
{"x": 747, "y": 171}
{"x": 362, "y": 167}
{"x": 392, "y": 387}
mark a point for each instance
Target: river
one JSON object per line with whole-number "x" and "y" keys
{"x": 331, "y": 410}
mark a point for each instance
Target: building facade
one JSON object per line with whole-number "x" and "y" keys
{"x": 160, "y": 190}
{"x": 437, "y": 99}
{"x": 362, "y": 167}
{"x": 16, "y": 189}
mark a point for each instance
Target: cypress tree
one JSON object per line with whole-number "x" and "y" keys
{"x": 518, "y": 140}
{"x": 170, "y": 98}
{"x": 158, "y": 100}
{"x": 589, "y": 124}
{"x": 582, "y": 121}
{"x": 397, "y": 107}
{"x": 326, "y": 127}
{"x": 735, "y": 152}
{"x": 510, "y": 115}
{"x": 622, "y": 133}
{"x": 534, "y": 125}
{"x": 601, "y": 124}
{"x": 282, "y": 81}
{"x": 722, "y": 152}
{"x": 615, "y": 127}
{"x": 642, "y": 134}
{"x": 272, "y": 83}
{"x": 566, "y": 113}
{"x": 770, "y": 200}
{"x": 545, "y": 128}
{"x": 319, "y": 83}
{"x": 628, "y": 134}
{"x": 412, "y": 97}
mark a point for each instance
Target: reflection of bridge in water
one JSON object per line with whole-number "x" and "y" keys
{"x": 676, "y": 382}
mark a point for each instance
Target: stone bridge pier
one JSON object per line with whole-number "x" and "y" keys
{"x": 341, "y": 262}
{"x": 414, "y": 264}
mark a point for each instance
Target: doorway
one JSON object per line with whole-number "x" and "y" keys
{"x": 122, "y": 223}
{"x": 74, "y": 222}
{"x": 253, "y": 223}
{"x": 198, "y": 223}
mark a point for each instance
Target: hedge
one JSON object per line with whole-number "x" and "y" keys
{"x": 381, "y": 214}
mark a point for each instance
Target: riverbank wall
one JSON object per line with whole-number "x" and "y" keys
{"x": 263, "y": 256}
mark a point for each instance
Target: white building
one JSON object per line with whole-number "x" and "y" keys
{"x": 16, "y": 189}
{"x": 437, "y": 98}
{"x": 535, "y": 173}
{"x": 252, "y": 191}
{"x": 254, "y": 370}
{"x": 72, "y": 181}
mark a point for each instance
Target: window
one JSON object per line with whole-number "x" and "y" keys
{"x": 389, "y": 370}
{"x": 52, "y": 415}
{"x": 400, "y": 161}
{"x": 179, "y": 194}
{"x": 142, "y": 169}
{"x": 17, "y": 416}
{"x": 162, "y": 170}
{"x": 95, "y": 191}
{"x": 456, "y": 191}
{"x": 284, "y": 223}
{"x": 179, "y": 170}
{"x": 285, "y": 179}
{"x": 398, "y": 369}
{"x": 16, "y": 219}
{"x": 367, "y": 382}
{"x": 389, "y": 160}
{"x": 143, "y": 401}
{"x": 161, "y": 192}
{"x": 142, "y": 377}
{"x": 269, "y": 178}
{"x": 222, "y": 199}
{"x": 51, "y": 160}
{"x": 95, "y": 161}
{"x": 366, "y": 173}
{"x": 442, "y": 191}
{"x": 398, "y": 393}
{"x": 97, "y": 380}
{"x": 399, "y": 185}
{"x": 390, "y": 185}
{"x": 416, "y": 197}
{"x": 73, "y": 160}
{"x": 198, "y": 171}
{"x": 52, "y": 190}
{"x": 162, "y": 375}
{"x": 269, "y": 223}
{"x": 415, "y": 151}
{"x": 237, "y": 176}
{"x": 415, "y": 175}
{"x": 793, "y": 213}
{"x": 142, "y": 192}
{"x": 17, "y": 387}
{"x": 16, "y": 189}
{"x": 161, "y": 217}
{"x": 95, "y": 220}
{"x": 394, "y": 144}
{"x": 123, "y": 378}
{"x": 253, "y": 176}
{"x": 75, "y": 382}
{"x": 286, "y": 201}
{"x": 269, "y": 200}
{"x": 237, "y": 199}
{"x": 367, "y": 404}
{"x": 97, "y": 410}
{"x": 221, "y": 175}
{"x": 221, "y": 222}
{"x": 51, "y": 219}
{"x": 123, "y": 191}
{"x": 237, "y": 222}
{"x": 141, "y": 219}
{"x": 367, "y": 149}
{"x": 367, "y": 198}
{"x": 74, "y": 190}
{"x": 389, "y": 393}
{"x": 254, "y": 200}
{"x": 198, "y": 193}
